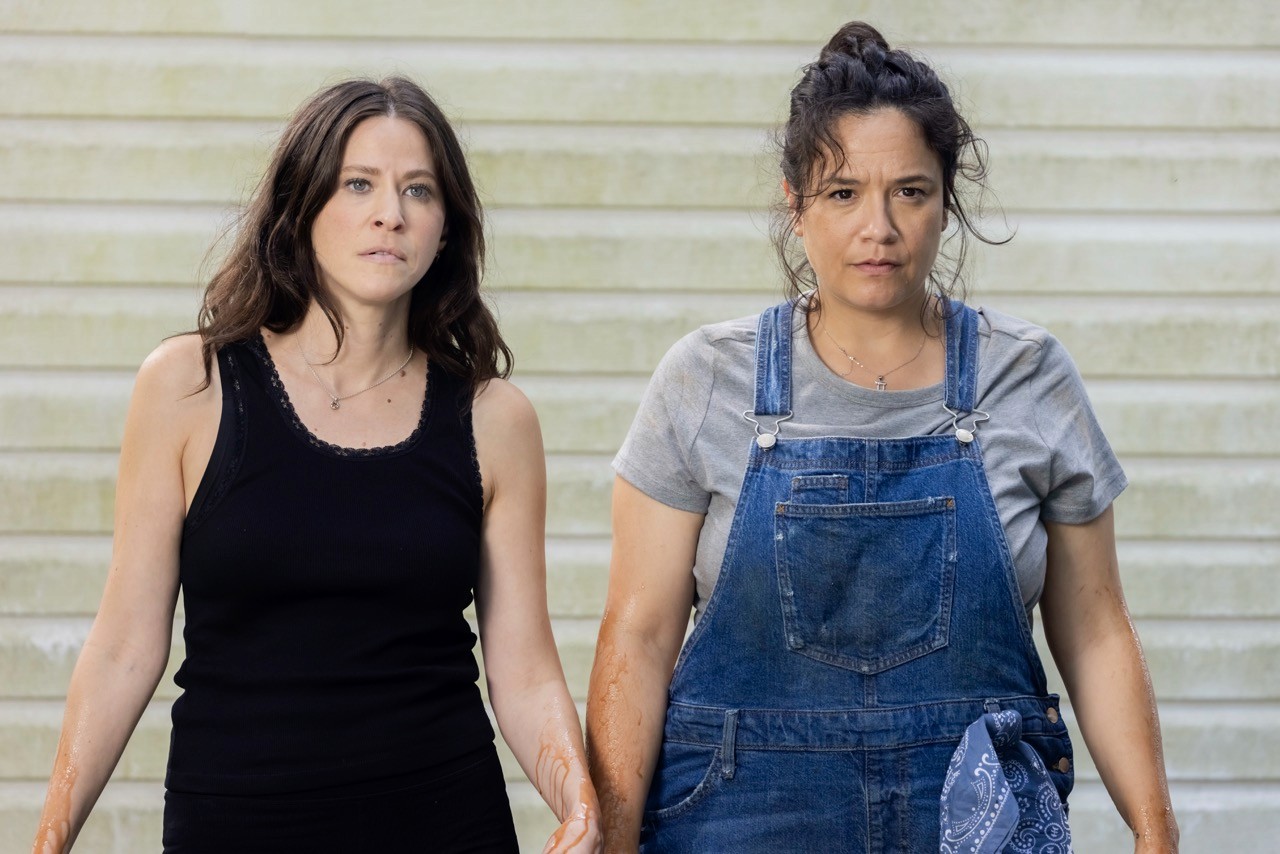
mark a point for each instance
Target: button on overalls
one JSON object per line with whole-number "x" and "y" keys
{"x": 863, "y": 677}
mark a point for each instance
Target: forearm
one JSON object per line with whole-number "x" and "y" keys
{"x": 1112, "y": 697}
{"x": 108, "y": 692}
{"x": 626, "y": 708}
{"x": 548, "y": 743}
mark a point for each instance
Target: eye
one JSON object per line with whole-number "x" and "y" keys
{"x": 914, "y": 192}
{"x": 359, "y": 185}
{"x": 418, "y": 191}
{"x": 843, "y": 195}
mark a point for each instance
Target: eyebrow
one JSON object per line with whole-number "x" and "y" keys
{"x": 845, "y": 181}
{"x": 369, "y": 170}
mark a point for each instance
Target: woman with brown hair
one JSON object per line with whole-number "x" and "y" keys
{"x": 862, "y": 493}
{"x": 329, "y": 470}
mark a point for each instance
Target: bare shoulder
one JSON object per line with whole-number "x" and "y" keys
{"x": 501, "y": 411}
{"x": 508, "y": 441}
{"x": 170, "y": 397}
{"x": 176, "y": 366}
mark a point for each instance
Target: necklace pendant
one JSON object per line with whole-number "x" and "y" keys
{"x": 880, "y": 384}
{"x": 333, "y": 403}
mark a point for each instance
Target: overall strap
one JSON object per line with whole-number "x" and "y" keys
{"x": 960, "y": 386}
{"x": 773, "y": 360}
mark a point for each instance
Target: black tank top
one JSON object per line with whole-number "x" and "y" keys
{"x": 324, "y": 590}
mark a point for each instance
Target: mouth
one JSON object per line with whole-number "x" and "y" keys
{"x": 877, "y": 266}
{"x": 383, "y": 255}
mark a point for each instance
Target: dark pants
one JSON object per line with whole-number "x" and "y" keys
{"x": 464, "y": 808}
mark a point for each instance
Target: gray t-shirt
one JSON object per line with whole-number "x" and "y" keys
{"x": 1045, "y": 456}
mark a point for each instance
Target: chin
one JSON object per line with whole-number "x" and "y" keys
{"x": 876, "y": 299}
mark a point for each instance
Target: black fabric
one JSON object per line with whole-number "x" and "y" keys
{"x": 462, "y": 809}
{"x": 324, "y": 591}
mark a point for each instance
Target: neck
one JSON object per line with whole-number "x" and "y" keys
{"x": 874, "y": 332}
{"x": 369, "y": 341}
{"x": 897, "y": 348}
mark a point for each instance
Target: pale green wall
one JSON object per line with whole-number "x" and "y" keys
{"x": 621, "y": 148}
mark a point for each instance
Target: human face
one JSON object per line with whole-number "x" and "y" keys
{"x": 872, "y": 231}
{"x": 383, "y": 226}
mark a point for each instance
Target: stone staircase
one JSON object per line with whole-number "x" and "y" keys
{"x": 622, "y": 149}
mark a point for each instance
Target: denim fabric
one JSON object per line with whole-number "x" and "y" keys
{"x": 866, "y": 615}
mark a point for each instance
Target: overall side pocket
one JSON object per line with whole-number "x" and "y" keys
{"x": 686, "y": 773}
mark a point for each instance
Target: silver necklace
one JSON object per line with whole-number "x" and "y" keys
{"x": 881, "y": 385}
{"x": 335, "y": 400}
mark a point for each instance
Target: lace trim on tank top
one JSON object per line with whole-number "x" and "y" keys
{"x": 225, "y": 461}
{"x": 278, "y": 393}
{"x": 468, "y": 425}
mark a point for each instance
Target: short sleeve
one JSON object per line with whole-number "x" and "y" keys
{"x": 657, "y": 455}
{"x": 1084, "y": 474}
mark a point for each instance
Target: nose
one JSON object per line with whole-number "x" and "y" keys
{"x": 388, "y": 212}
{"x": 877, "y": 221}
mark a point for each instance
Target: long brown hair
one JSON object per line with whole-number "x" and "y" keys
{"x": 270, "y": 276}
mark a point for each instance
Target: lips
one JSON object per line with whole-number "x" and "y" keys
{"x": 382, "y": 253}
{"x": 876, "y": 266}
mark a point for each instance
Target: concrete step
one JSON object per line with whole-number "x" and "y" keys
{"x": 85, "y": 410}
{"x": 1187, "y": 579}
{"x": 42, "y": 576}
{"x": 128, "y": 818}
{"x": 104, "y": 329}
{"x": 37, "y": 655}
{"x": 1131, "y": 337}
{"x": 1092, "y": 23}
{"x": 1174, "y": 499}
{"x": 1212, "y": 816}
{"x": 1205, "y": 742}
{"x": 47, "y": 410}
{"x": 63, "y": 575}
{"x": 1203, "y": 660}
{"x": 659, "y": 252}
{"x": 72, "y": 493}
{"x": 1190, "y": 660}
{"x": 29, "y": 731}
{"x": 1167, "y": 499}
{"x": 619, "y": 166}
{"x": 1176, "y": 418}
{"x": 168, "y": 77}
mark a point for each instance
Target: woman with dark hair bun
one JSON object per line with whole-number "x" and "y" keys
{"x": 862, "y": 493}
{"x": 331, "y": 469}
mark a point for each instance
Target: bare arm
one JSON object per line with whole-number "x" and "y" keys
{"x": 1098, "y": 653}
{"x": 127, "y": 648}
{"x": 650, "y": 595}
{"x": 526, "y": 682}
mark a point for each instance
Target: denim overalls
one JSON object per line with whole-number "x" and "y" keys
{"x": 866, "y": 621}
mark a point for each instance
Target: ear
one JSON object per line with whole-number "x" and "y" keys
{"x": 793, "y": 204}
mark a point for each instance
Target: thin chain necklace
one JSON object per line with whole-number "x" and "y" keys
{"x": 881, "y": 385}
{"x": 335, "y": 400}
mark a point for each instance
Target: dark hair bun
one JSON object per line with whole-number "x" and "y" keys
{"x": 856, "y": 40}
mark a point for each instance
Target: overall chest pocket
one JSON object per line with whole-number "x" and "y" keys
{"x": 866, "y": 587}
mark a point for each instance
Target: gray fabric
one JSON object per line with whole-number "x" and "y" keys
{"x": 1045, "y": 456}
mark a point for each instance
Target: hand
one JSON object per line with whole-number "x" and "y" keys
{"x": 578, "y": 834}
